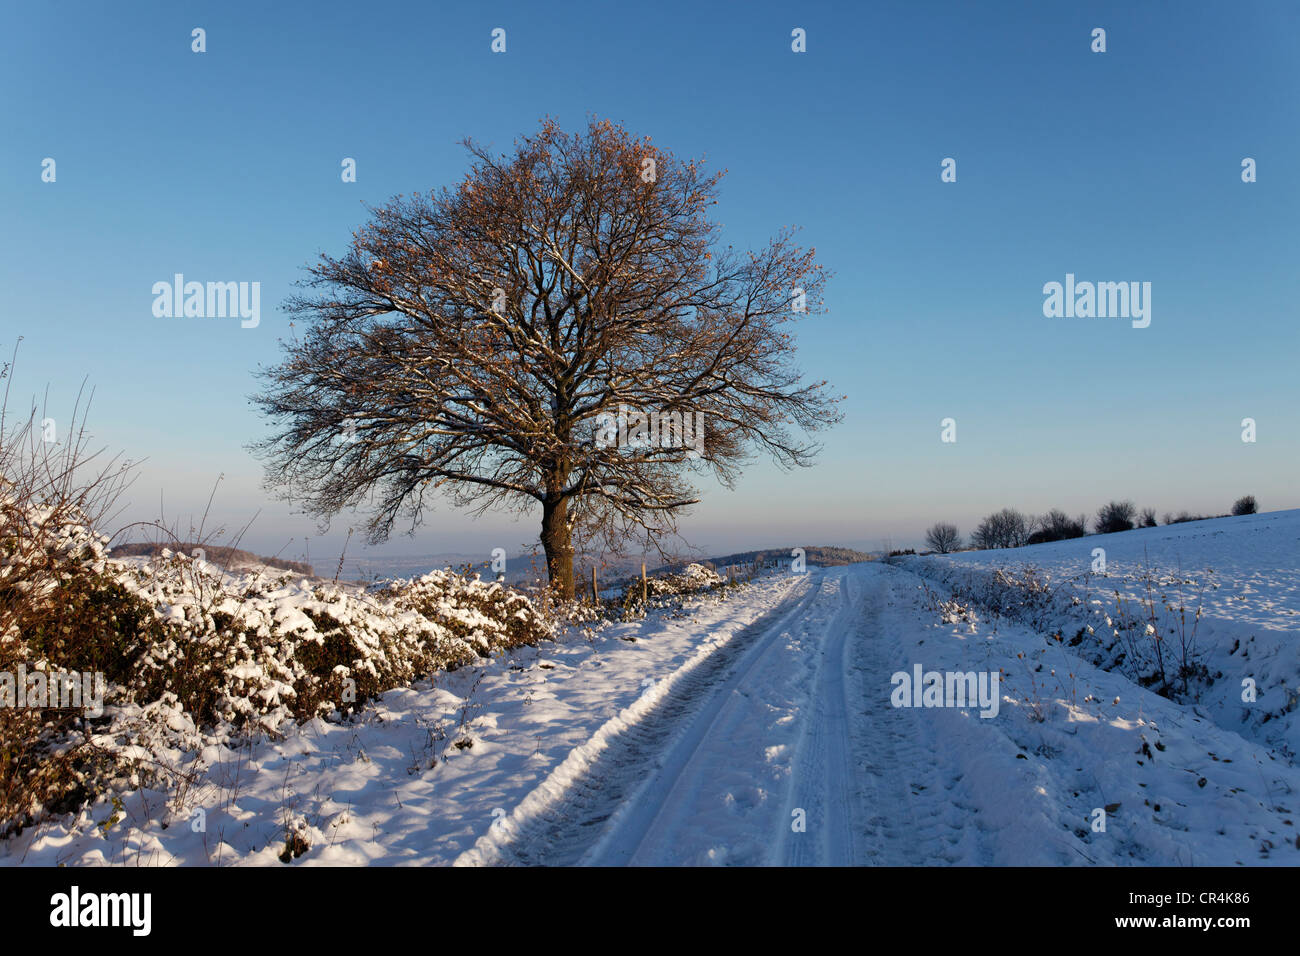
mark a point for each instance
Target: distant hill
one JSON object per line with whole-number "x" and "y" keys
{"x": 232, "y": 559}
{"x": 825, "y": 556}
{"x": 525, "y": 569}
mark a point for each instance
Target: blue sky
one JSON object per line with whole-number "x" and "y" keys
{"x": 1115, "y": 167}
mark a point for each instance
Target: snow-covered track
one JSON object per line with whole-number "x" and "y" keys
{"x": 824, "y": 787}
{"x": 594, "y": 803}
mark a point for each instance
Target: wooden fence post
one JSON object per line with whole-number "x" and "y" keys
{"x": 595, "y": 591}
{"x": 645, "y": 586}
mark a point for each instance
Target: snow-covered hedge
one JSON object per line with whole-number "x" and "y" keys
{"x": 192, "y": 654}
{"x": 693, "y": 578}
{"x": 264, "y": 647}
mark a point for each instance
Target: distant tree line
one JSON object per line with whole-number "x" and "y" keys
{"x": 1010, "y": 528}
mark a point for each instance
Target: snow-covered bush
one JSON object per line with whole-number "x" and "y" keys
{"x": 191, "y": 653}
{"x": 690, "y": 580}
{"x": 487, "y": 615}
{"x": 58, "y": 611}
{"x": 261, "y": 648}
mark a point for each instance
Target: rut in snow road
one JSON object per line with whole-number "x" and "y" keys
{"x": 772, "y": 750}
{"x": 728, "y": 787}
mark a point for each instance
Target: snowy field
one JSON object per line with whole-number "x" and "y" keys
{"x": 1242, "y": 574}
{"x": 761, "y": 728}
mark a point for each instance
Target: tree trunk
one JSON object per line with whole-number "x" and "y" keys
{"x": 558, "y": 545}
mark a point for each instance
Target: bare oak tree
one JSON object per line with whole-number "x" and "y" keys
{"x": 480, "y": 341}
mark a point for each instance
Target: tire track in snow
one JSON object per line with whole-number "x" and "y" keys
{"x": 561, "y": 819}
{"x": 693, "y": 772}
{"x": 662, "y": 824}
{"x": 824, "y": 781}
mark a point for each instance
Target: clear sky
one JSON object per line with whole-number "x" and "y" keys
{"x": 1115, "y": 166}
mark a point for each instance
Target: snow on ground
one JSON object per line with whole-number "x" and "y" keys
{"x": 802, "y": 731}
{"x": 761, "y": 728}
{"x": 393, "y": 786}
{"x": 1241, "y": 573}
{"x": 1024, "y": 787}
